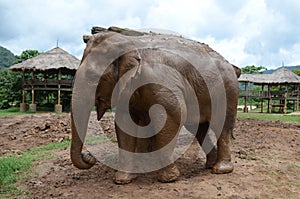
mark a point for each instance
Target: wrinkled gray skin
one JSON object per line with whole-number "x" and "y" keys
{"x": 218, "y": 158}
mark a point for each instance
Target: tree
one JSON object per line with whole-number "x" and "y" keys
{"x": 10, "y": 88}
{"x": 297, "y": 72}
{"x": 11, "y": 82}
{"x": 253, "y": 69}
{"x": 27, "y": 54}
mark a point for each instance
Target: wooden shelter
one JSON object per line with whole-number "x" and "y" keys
{"x": 53, "y": 70}
{"x": 286, "y": 83}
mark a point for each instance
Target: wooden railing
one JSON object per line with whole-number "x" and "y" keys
{"x": 40, "y": 84}
{"x": 270, "y": 94}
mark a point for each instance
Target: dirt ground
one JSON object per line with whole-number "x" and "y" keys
{"x": 266, "y": 156}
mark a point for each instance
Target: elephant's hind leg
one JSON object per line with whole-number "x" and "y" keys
{"x": 208, "y": 147}
{"x": 224, "y": 164}
{"x": 165, "y": 141}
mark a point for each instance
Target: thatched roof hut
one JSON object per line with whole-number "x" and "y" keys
{"x": 49, "y": 61}
{"x": 55, "y": 61}
{"x": 280, "y": 76}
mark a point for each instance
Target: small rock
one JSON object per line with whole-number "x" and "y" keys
{"x": 12, "y": 137}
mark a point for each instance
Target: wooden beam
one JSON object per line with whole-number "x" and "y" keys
{"x": 48, "y": 89}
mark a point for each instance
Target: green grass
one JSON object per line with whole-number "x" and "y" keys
{"x": 17, "y": 167}
{"x": 13, "y": 167}
{"x": 268, "y": 116}
{"x": 98, "y": 139}
{"x": 11, "y": 111}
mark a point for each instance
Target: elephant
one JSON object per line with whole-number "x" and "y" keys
{"x": 174, "y": 76}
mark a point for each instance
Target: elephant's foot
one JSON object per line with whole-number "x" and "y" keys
{"x": 211, "y": 159}
{"x": 123, "y": 177}
{"x": 222, "y": 167}
{"x": 168, "y": 174}
{"x": 210, "y": 163}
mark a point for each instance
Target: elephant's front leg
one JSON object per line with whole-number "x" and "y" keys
{"x": 127, "y": 145}
{"x": 224, "y": 164}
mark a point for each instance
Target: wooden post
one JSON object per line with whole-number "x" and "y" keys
{"x": 270, "y": 99}
{"x": 294, "y": 101}
{"x": 58, "y": 95}
{"x": 298, "y": 97}
{"x": 58, "y": 92}
{"x": 285, "y": 99}
{"x": 32, "y": 106}
{"x": 58, "y": 106}
{"x": 23, "y": 104}
{"x": 246, "y": 99}
{"x": 262, "y": 100}
{"x": 32, "y": 95}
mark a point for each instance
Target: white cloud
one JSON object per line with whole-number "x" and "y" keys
{"x": 259, "y": 32}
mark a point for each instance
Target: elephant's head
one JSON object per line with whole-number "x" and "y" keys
{"x": 96, "y": 79}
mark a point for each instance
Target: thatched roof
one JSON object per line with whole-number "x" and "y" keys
{"x": 280, "y": 76}
{"x": 53, "y": 59}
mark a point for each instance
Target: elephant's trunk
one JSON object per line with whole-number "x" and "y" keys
{"x": 79, "y": 159}
{"x": 83, "y": 101}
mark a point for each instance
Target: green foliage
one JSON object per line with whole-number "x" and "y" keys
{"x": 11, "y": 82}
{"x": 10, "y": 88}
{"x": 6, "y": 58}
{"x": 27, "y": 54}
{"x": 253, "y": 69}
{"x": 297, "y": 72}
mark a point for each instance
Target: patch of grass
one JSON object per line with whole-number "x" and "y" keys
{"x": 293, "y": 166}
{"x": 57, "y": 145}
{"x": 11, "y": 111}
{"x": 274, "y": 117}
{"x": 95, "y": 140}
{"x": 12, "y": 167}
{"x": 13, "y": 190}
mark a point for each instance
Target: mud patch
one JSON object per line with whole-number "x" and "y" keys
{"x": 266, "y": 155}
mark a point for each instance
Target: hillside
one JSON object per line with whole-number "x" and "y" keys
{"x": 7, "y": 58}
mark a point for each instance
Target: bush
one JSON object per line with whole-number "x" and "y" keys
{"x": 10, "y": 88}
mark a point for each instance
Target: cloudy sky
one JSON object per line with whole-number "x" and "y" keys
{"x": 245, "y": 32}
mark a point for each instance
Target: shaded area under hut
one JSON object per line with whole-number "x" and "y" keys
{"x": 278, "y": 89}
{"x": 53, "y": 70}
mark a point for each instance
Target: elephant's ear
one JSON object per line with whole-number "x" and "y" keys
{"x": 129, "y": 69}
{"x": 237, "y": 70}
